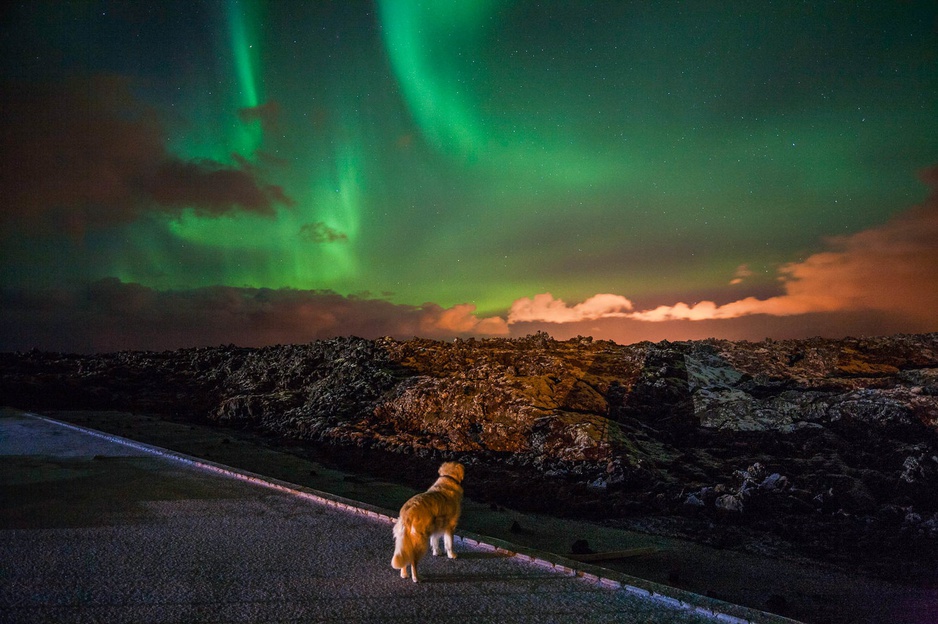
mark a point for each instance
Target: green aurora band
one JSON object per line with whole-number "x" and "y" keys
{"x": 260, "y": 251}
{"x": 479, "y": 152}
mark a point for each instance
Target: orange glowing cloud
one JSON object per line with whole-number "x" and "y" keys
{"x": 743, "y": 272}
{"x": 460, "y": 319}
{"x": 892, "y": 268}
{"x": 544, "y": 307}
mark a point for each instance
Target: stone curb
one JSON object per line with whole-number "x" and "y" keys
{"x": 667, "y": 596}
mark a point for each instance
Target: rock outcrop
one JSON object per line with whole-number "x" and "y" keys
{"x": 826, "y": 435}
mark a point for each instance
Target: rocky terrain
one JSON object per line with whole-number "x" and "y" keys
{"x": 818, "y": 449}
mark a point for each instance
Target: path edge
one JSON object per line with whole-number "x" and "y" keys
{"x": 679, "y": 599}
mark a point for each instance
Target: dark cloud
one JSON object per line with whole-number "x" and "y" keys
{"x": 319, "y": 232}
{"x": 267, "y": 113}
{"x": 86, "y": 154}
{"x": 110, "y": 315}
{"x": 212, "y": 188}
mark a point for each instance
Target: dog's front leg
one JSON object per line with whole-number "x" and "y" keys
{"x": 413, "y": 572}
{"x": 448, "y": 542}
{"x": 435, "y": 544}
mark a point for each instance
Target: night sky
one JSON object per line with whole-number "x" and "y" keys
{"x": 186, "y": 173}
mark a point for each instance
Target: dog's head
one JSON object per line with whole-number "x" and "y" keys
{"x": 454, "y": 470}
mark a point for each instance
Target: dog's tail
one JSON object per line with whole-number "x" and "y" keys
{"x": 410, "y": 543}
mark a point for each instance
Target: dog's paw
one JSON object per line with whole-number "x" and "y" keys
{"x": 451, "y": 555}
{"x": 404, "y": 572}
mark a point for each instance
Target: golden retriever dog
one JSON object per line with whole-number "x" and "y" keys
{"x": 426, "y": 517}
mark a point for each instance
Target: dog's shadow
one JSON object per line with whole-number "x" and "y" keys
{"x": 476, "y": 578}
{"x": 483, "y": 555}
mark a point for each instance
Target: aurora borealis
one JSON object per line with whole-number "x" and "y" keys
{"x": 187, "y": 173}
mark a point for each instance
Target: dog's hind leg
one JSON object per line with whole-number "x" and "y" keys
{"x": 448, "y": 542}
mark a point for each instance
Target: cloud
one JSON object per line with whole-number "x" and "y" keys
{"x": 889, "y": 268}
{"x": 892, "y": 268}
{"x": 267, "y": 113}
{"x": 743, "y": 272}
{"x": 110, "y": 315}
{"x": 751, "y": 327}
{"x": 319, "y": 232}
{"x": 544, "y": 307}
{"x": 211, "y": 188}
{"x": 86, "y": 154}
{"x": 708, "y": 310}
{"x": 459, "y": 320}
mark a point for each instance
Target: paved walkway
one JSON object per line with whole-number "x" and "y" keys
{"x": 96, "y": 529}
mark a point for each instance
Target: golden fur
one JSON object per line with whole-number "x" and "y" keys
{"x": 426, "y": 517}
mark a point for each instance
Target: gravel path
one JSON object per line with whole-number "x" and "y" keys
{"x": 92, "y": 530}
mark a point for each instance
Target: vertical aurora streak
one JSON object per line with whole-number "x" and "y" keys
{"x": 243, "y": 15}
{"x": 259, "y": 251}
{"x": 244, "y": 52}
{"x": 432, "y": 47}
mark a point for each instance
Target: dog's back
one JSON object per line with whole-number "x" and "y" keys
{"x": 431, "y": 511}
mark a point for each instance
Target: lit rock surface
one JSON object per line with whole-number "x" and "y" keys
{"x": 652, "y": 435}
